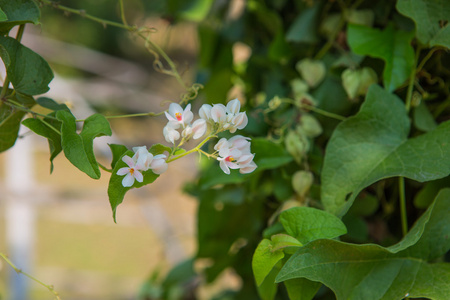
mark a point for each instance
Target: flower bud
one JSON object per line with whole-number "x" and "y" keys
{"x": 312, "y": 71}
{"x": 205, "y": 112}
{"x": 356, "y": 82}
{"x": 297, "y": 145}
{"x": 301, "y": 182}
{"x": 309, "y": 125}
{"x": 299, "y": 87}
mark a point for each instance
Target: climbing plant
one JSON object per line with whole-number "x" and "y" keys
{"x": 327, "y": 177}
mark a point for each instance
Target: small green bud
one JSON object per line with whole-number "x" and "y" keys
{"x": 312, "y": 71}
{"x": 357, "y": 82}
{"x": 296, "y": 144}
{"x": 275, "y": 103}
{"x": 299, "y": 87}
{"x": 416, "y": 99}
{"x": 309, "y": 125}
{"x": 361, "y": 17}
{"x": 301, "y": 182}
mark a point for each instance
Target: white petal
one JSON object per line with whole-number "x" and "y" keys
{"x": 218, "y": 113}
{"x": 169, "y": 117}
{"x": 221, "y": 144}
{"x": 159, "y": 166}
{"x": 248, "y": 168}
{"x": 138, "y": 175}
{"x": 224, "y": 167}
{"x": 123, "y": 171}
{"x": 232, "y": 165}
{"x": 199, "y": 128}
{"x": 245, "y": 159}
{"x": 240, "y": 120}
{"x": 128, "y": 180}
{"x": 205, "y": 112}
{"x": 175, "y": 108}
{"x": 129, "y": 161}
{"x": 234, "y": 106}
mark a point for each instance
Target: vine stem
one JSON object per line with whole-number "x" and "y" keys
{"x": 196, "y": 149}
{"x": 19, "y": 271}
{"x": 412, "y": 79}
{"x": 404, "y": 217}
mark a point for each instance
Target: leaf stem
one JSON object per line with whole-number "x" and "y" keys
{"x": 401, "y": 188}
{"x": 104, "y": 168}
{"x": 323, "y": 112}
{"x": 19, "y": 271}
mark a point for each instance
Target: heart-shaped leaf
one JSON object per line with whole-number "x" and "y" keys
{"x": 392, "y": 46}
{"x": 18, "y": 12}
{"x": 79, "y": 148}
{"x": 373, "y": 145}
{"x": 373, "y": 272}
{"x": 431, "y": 18}
{"x": 28, "y": 72}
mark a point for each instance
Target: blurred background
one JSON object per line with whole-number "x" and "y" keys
{"x": 59, "y": 227}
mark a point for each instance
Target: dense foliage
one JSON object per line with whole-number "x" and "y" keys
{"x": 348, "y": 105}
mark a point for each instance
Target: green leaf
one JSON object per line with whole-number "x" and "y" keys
{"x": 17, "y": 12}
{"x": 79, "y": 149}
{"x": 373, "y": 272}
{"x": 42, "y": 129}
{"x": 196, "y": 10}
{"x": 304, "y": 28}
{"x": 10, "y": 121}
{"x": 301, "y": 288}
{"x": 117, "y": 152}
{"x": 423, "y": 119}
{"x": 51, "y": 104}
{"x": 426, "y": 195}
{"x": 431, "y": 18}
{"x": 3, "y": 16}
{"x": 307, "y": 224}
{"x": 116, "y": 191}
{"x": 373, "y": 145}
{"x": 28, "y": 72}
{"x": 264, "y": 259}
{"x": 392, "y": 46}
{"x": 160, "y": 149}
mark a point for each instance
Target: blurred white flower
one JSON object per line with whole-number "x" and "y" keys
{"x": 170, "y": 133}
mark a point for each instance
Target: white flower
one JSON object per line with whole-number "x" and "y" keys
{"x": 146, "y": 159}
{"x": 178, "y": 117}
{"x": 233, "y": 106}
{"x": 219, "y": 113}
{"x": 132, "y": 172}
{"x": 239, "y": 121}
{"x": 158, "y": 165}
{"x": 235, "y": 154}
{"x": 199, "y": 128}
{"x": 170, "y": 133}
{"x": 205, "y": 112}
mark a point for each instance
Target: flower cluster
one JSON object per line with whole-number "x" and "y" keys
{"x": 226, "y": 117}
{"x": 233, "y": 153}
{"x": 179, "y": 118}
{"x": 142, "y": 160}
